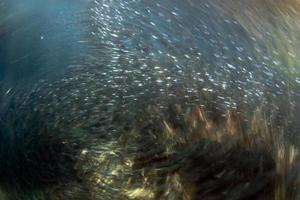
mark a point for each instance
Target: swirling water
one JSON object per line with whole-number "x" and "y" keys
{"x": 95, "y": 64}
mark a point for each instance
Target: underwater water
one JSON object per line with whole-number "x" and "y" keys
{"x": 139, "y": 99}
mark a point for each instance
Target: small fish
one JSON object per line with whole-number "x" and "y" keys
{"x": 8, "y": 91}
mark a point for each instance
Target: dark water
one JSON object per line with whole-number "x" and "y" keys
{"x": 90, "y": 68}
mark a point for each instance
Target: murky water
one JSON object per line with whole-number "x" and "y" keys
{"x": 77, "y": 77}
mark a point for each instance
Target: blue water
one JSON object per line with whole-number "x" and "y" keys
{"x": 74, "y": 65}
{"x": 39, "y": 39}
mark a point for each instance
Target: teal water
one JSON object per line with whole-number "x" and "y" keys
{"x": 39, "y": 39}
{"x": 76, "y": 72}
